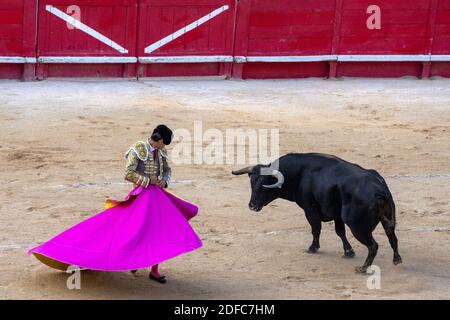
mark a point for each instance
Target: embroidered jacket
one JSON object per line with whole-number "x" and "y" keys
{"x": 144, "y": 161}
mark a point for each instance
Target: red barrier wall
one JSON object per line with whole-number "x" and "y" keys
{"x": 243, "y": 39}
{"x": 17, "y": 37}
{"x": 404, "y": 31}
{"x": 272, "y": 28}
{"x": 161, "y": 18}
{"x": 441, "y": 41}
{"x": 114, "y": 19}
{"x": 403, "y": 27}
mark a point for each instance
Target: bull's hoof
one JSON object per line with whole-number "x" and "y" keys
{"x": 349, "y": 254}
{"x": 312, "y": 250}
{"x": 397, "y": 260}
{"x": 362, "y": 269}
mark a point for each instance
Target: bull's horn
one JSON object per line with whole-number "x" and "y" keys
{"x": 276, "y": 174}
{"x": 243, "y": 170}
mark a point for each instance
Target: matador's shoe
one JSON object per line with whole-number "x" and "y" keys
{"x": 161, "y": 279}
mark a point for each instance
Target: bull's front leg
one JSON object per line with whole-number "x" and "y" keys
{"x": 313, "y": 217}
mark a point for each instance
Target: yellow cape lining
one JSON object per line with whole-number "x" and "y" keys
{"x": 111, "y": 204}
{"x": 52, "y": 263}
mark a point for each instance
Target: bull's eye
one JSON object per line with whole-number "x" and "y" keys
{"x": 260, "y": 182}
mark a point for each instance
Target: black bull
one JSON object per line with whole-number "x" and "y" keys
{"x": 328, "y": 188}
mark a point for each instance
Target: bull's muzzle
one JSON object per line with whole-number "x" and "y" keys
{"x": 253, "y": 207}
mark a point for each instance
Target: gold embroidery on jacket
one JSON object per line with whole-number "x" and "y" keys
{"x": 140, "y": 152}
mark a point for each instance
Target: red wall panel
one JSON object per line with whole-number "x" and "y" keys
{"x": 403, "y": 27}
{"x": 11, "y": 71}
{"x": 290, "y": 27}
{"x": 405, "y": 30}
{"x": 17, "y": 36}
{"x": 441, "y": 42}
{"x": 440, "y": 69}
{"x": 285, "y": 70}
{"x": 114, "y": 19}
{"x": 441, "y": 39}
{"x": 159, "y": 19}
{"x": 183, "y": 69}
{"x": 379, "y": 69}
{"x": 287, "y": 27}
{"x": 12, "y": 28}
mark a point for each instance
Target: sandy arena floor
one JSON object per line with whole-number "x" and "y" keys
{"x": 61, "y": 155}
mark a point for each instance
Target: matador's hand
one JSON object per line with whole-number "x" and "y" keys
{"x": 153, "y": 179}
{"x": 162, "y": 183}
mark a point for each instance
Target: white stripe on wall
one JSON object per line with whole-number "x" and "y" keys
{"x": 81, "y": 26}
{"x": 17, "y": 60}
{"x": 155, "y": 46}
{"x": 384, "y": 57}
{"x": 344, "y": 58}
{"x": 243, "y": 59}
{"x": 186, "y": 59}
{"x": 440, "y": 58}
{"x": 237, "y": 59}
{"x": 87, "y": 60}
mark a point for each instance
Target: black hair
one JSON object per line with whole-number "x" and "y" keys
{"x": 162, "y": 132}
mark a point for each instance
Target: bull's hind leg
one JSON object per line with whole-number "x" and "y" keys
{"x": 390, "y": 232}
{"x": 340, "y": 231}
{"x": 366, "y": 238}
{"x": 316, "y": 226}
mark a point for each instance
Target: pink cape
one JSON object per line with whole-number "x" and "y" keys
{"x": 148, "y": 227}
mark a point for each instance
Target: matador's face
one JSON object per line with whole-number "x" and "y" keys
{"x": 157, "y": 144}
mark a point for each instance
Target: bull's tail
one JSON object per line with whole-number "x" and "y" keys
{"x": 386, "y": 210}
